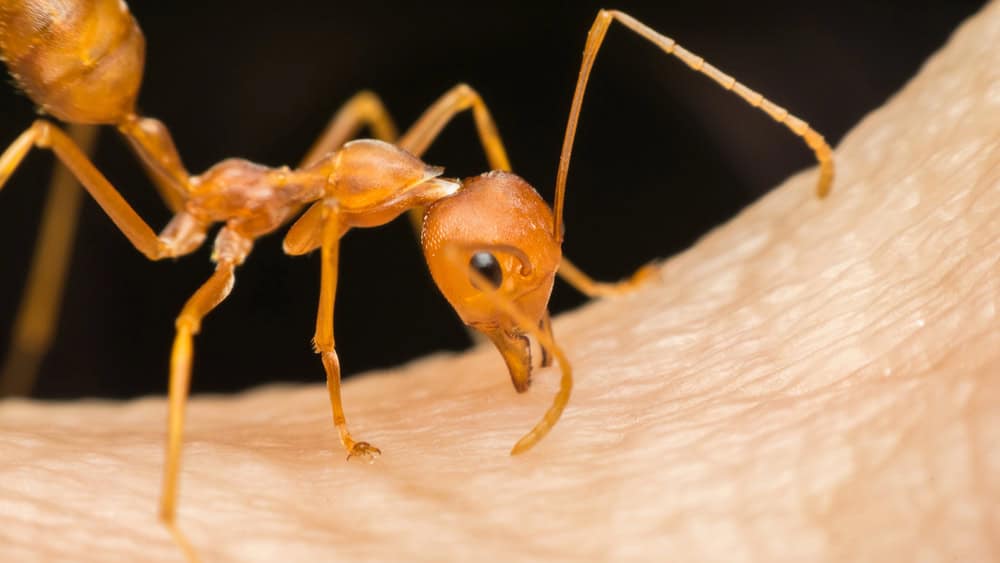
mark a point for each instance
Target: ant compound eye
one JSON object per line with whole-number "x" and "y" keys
{"x": 486, "y": 265}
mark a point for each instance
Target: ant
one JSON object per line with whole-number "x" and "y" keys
{"x": 492, "y": 245}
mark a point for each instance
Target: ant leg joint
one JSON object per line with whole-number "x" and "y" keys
{"x": 324, "y": 346}
{"x": 187, "y": 324}
{"x": 162, "y": 249}
{"x": 183, "y": 235}
{"x": 231, "y": 247}
{"x": 43, "y": 133}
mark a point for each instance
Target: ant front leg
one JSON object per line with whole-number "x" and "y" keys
{"x": 323, "y": 339}
{"x": 363, "y": 109}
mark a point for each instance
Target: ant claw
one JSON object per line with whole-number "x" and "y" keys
{"x": 365, "y": 451}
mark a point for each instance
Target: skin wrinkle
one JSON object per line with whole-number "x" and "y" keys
{"x": 890, "y": 459}
{"x": 771, "y": 397}
{"x": 980, "y": 461}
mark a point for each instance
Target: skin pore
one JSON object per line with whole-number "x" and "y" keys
{"x": 815, "y": 380}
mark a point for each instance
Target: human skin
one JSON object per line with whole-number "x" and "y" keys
{"x": 815, "y": 380}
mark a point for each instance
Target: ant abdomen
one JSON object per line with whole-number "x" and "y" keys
{"x": 79, "y": 61}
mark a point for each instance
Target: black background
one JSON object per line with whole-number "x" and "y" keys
{"x": 662, "y": 156}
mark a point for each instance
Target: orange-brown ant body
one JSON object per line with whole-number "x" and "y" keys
{"x": 491, "y": 243}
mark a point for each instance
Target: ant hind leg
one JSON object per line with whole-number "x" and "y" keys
{"x": 36, "y": 316}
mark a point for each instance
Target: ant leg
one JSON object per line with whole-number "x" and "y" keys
{"x": 458, "y": 254}
{"x": 306, "y": 234}
{"x": 363, "y": 109}
{"x": 460, "y": 98}
{"x": 35, "y": 321}
{"x": 323, "y": 339}
{"x": 592, "y": 288}
{"x": 206, "y": 298}
{"x": 151, "y": 142}
{"x": 43, "y": 134}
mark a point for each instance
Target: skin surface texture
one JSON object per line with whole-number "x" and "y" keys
{"x": 813, "y": 381}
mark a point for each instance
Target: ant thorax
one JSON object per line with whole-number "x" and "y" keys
{"x": 253, "y": 199}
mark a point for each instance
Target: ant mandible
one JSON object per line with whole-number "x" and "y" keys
{"x": 491, "y": 243}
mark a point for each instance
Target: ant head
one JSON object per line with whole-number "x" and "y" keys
{"x": 500, "y": 228}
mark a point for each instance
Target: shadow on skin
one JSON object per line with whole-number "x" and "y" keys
{"x": 812, "y": 381}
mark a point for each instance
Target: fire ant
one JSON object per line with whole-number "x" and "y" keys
{"x": 491, "y": 243}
